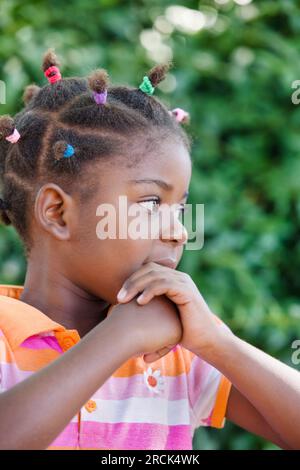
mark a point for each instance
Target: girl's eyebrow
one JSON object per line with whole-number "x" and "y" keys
{"x": 161, "y": 183}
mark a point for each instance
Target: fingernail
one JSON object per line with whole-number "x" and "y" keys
{"x": 122, "y": 294}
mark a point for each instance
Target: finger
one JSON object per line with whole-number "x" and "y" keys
{"x": 145, "y": 268}
{"x": 131, "y": 288}
{"x": 148, "y": 268}
{"x": 157, "y": 287}
{"x": 152, "y": 357}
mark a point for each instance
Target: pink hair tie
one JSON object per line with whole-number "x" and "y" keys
{"x": 179, "y": 114}
{"x": 14, "y": 137}
{"x": 53, "y": 74}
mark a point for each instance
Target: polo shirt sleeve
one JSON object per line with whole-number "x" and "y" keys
{"x": 208, "y": 391}
{"x": 8, "y": 369}
{"x": 3, "y": 359}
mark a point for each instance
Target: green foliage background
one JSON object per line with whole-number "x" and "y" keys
{"x": 234, "y": 76}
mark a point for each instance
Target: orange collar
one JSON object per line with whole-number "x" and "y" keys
{"x": 19, "y": 320}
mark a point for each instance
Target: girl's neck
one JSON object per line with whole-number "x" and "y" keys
{"x": 62, "y": 301}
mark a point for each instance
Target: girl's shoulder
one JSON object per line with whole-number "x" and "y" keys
{"x": 19, "y": 320}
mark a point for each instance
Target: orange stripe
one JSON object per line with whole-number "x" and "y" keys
{"x": 26, "y": 358}
{"x": 174, "y": 363}
{"x": 218, "y": 416}
{"x": 33, "y": 360}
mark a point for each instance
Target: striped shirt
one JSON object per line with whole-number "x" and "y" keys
{"x": 141, "y": 406}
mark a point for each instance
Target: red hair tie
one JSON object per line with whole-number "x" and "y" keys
{"x": 52, "y": 74}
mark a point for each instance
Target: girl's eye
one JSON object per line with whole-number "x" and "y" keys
{"x": 183, "y": 208}
{"x": 149, "y": 204}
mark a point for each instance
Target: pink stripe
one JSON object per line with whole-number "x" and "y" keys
{"x": 68, "y": 437}
{"x": 122, "y": 388}
{"x": 178, "y": 387}
{"x": 125, "y": 436}
{"x": 45, "y": 342}
{"x": 134, "y": 436}
{"x": 197, "y": 377}
{"x": 175, "y": 388}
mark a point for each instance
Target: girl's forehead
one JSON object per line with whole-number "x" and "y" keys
{"x": 172, "y": 168}
{"x": 171, "y": 160}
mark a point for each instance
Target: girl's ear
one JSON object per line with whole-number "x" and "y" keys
{"x": 54, "y": 210}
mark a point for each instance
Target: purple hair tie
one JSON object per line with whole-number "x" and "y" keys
{"x": 100, "y": 98}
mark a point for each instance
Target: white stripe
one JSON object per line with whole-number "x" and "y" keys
{"x": 139, "y": 410}
{"x": 207, "y": 397}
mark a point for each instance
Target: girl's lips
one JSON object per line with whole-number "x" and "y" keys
{"x": 168, "y": 262}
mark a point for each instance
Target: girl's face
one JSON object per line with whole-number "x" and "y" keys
{"x": 100, "y": 266}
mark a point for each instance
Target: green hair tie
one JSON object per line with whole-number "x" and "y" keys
{"x": 146, "y": 86}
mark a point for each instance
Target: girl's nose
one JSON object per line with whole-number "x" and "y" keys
{"x": 173, "y": 230}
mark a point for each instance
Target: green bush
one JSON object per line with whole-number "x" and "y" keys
{"x": 234, "y": 76}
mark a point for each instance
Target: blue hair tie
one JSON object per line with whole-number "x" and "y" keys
{"x": 69, "y": 151}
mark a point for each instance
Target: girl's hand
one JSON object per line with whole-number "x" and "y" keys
{"x": 154, "y": 329}
{"x": 200, "y": 326}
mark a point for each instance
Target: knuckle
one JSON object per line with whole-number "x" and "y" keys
{"x": 157, "y": 283}
{"x": 128, "y": 285}
{"x": 154, "y": 268}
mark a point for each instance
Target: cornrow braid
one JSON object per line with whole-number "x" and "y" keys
{"x": 69, "y": 123}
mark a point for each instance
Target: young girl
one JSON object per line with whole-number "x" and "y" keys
{"x": 80, "y": 366}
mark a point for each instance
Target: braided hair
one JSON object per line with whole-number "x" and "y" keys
{"x": 68, "y": 123}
